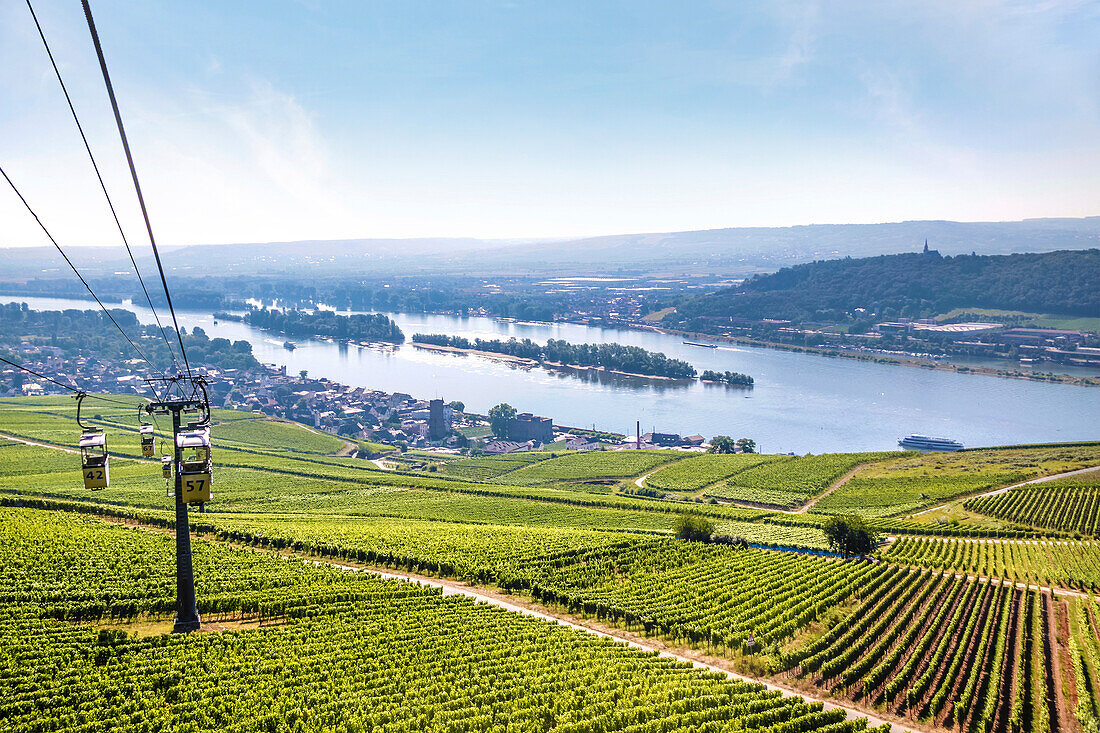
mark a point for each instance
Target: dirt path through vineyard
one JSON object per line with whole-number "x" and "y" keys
{"x": 516, "y": 604}
{"x": 695, "y": 657}
{"x": 833, "y": 487}
{"x": 769, "y": 508}
{"x": 24, "y": 441}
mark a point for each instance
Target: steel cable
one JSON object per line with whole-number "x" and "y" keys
{"x": 77, "y": 272}
{"x": 99, "y": 177}
{"x": 137, "y": 184}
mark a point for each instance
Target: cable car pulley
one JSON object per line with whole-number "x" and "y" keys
{"x": 191, "y": 459}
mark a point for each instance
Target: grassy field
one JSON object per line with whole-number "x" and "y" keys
{"x": 904, "y": 485}
{"x": 17, "y": 459}
{"x": 1023, "y": 318}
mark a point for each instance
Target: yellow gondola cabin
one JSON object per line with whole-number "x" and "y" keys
{"x": 195, "y": 466}
{"x": 94, "y": 460}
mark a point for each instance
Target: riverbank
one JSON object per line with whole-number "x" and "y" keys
{"x": 524, "y": 361}
{"x": 941, "y": 366}
{"x": 506, "y": 358}
{"x": 880, "y": 405}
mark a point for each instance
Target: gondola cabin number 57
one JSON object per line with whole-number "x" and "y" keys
{"x": 196, "y": 488}
{"x": 195, "y": 466}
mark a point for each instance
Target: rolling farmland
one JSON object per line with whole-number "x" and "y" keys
{"x": 903, "y": 485}
{"x": 398, "y": 482}
{"x": 1071, "y": 505}
{"x": 692, "y": 474}
{"x": 364, "y": 654}
{"x": 790, "y": 483}
{"x": 709, "y": 589}
{"x": 913, "y": 637}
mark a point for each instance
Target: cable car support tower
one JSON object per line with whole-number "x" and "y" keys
{"x": 192, "y": 477}
{"x": 187, "y": 615}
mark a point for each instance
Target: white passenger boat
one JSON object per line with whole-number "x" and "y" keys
{"x": 924, "y": 443}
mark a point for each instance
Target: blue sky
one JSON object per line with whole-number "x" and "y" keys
{"x": 278, "y": 120}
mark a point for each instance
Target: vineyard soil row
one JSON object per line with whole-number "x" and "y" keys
{"x": 859, "y": 705}
{"x": 521, "y": 605}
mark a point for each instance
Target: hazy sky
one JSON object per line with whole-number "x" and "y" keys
{"x": 257, "y": 121}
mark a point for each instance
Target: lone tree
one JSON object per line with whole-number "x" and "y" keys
{"x": 747, "y": 445}
{"x": 722, "y": 444}
{"x": 500, "y": 419}
{"x": 849, "y": 535}
{"x": 694, "y": 528}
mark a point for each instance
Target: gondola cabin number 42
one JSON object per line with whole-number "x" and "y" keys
{"x": 94, "y": 460}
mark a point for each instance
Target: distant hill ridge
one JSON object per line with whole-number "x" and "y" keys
{"x": 735, "y": 252}
{"x": 1061, "y": 282}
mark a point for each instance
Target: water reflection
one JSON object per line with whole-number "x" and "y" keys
{"x": 601, "y": 377}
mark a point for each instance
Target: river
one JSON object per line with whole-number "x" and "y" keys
{"x": 800, "y": 403}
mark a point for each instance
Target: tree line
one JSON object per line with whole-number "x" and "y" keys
{"x": 613, "y": 357}
{"x": 359, "y": 327}
{"x": 735, "y": 378}
{"x": 91, "y": 333}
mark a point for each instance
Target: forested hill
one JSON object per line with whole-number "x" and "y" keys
{"x": 916, "y": 285}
